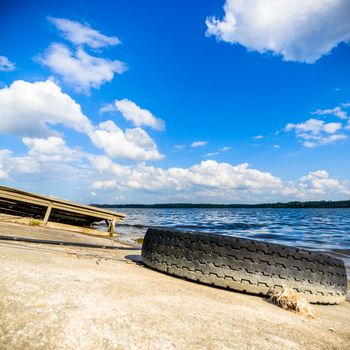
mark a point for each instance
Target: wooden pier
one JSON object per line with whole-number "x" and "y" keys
{"x": 33, "y": 209}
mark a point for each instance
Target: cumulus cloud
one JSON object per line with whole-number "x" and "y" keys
{"x": 211, "y": 180}
{"x": 31, "y": 109}
{"x": 52, "y": 148}
{"x": 82, "y": 34}
{"x": 76, "y": 67}
{"x": 337, "y": 112}
{"x": 132, "y": 112}
{"x": 12, "y": 165}
{"x": 133, "y": 144}
{"x": 315, "y": 132}
{"x": 196, "y": 144}
{"x": 299, "y": 30}
{"x": 6, "y": 65}
{"x": 46, "y": 160}
{"x": 79, "y": 69}
{"x": 319, "y": 183}
{"x": 4, "y": 153}
{"x": 205, "y": 175}
{"x": 206, "y": 181}
{"x": 331, "y": 128}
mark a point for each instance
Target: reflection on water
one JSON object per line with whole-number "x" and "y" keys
{"x": 326, "y": 230}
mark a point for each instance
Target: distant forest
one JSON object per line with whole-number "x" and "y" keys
{"x": 296, "y": 205}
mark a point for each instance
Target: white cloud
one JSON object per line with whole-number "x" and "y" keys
{"x": 299, "y": 30}
{"x": 11, "y": 165}
{"x": 313, "y": 126}
{"x": 324, "y": 140}
{"x": 6, "y": 65}
{"x": 225, "y": 149}
{"x": 198, "y": 144}
{"x": 337, "y": 112}
{"x": 179, "y": 147}
{"x": 133, "y": 144}
{"x": 258, "y": 137}
{"x": 132, "y": 112}
{"x": 221, "y": 150}
{"x": 331, "y": 128}
{"x": 76, "y": 67}
{"x": 315, "y": 132}
{"x": 319, "y": 183}
{"x": 119, "y": 198}
{"x": 208, "y": 181}
{"x": 276, "y": 146}
{"x": 105, "y": 185}
{"x": 47, "y": 161}
{"x": 4, "y": 153}
{"x": 51, "y": 149}
{"x": 82, "y": 34}
{"x": 213, "y": 181}
{"x": 206, "y": 175}
{"x": 3, "y": 174}
{"x": 79, "y": 69}
{"x": 30, "y": 109}
{"x": 211, "y": 154}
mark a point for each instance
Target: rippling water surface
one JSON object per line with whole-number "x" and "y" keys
{"x": 326, "y": 230}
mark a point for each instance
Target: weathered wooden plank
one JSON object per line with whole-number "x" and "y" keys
{"x": 16, "y": 205}
{"x": 55, "y": 212}
{"x": 33, "y": 198}
{"x": 20, "y": 212}
{"x": 23, "y": 198}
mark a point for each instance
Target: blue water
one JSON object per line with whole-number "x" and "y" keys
{"x": 326, "y": 230}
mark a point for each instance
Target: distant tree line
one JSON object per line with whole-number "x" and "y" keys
{"x": 296, "y": 205}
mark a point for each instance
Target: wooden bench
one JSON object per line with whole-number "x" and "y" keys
{"x": 34, "y": 209}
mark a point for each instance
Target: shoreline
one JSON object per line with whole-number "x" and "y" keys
{"x": 289, "y": 205}
{"x": 65, "y": 297}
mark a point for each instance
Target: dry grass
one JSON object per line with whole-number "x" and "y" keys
{"x": 139, "y": 240}
{"x": 289, "y": 299}
{"x": 34, "y": 222}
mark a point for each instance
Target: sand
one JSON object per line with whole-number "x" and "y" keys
{"x": 59, "y": 297}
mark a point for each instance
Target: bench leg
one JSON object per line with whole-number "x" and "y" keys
{"x": 111, "y": 227}
{"x": 47, "y": 214}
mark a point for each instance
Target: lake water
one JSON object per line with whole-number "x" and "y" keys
{"x": 326, "y": 230}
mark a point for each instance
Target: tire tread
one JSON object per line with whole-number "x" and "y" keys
{"x": 245, "y": 265}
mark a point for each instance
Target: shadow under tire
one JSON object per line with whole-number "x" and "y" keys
{"x": 245, "y": 265}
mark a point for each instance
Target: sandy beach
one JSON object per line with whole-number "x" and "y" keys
{"x": 69, "y": 297}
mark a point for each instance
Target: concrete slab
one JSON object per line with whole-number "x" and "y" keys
{"x": 54, "y": 297}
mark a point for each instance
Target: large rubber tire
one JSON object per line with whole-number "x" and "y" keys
{"x": 245, "y": 265}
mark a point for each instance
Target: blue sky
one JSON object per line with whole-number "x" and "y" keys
{"x": 176, "y": 101}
